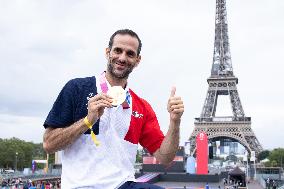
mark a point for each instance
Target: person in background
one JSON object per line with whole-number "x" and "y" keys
{"x": 207, "y": 186}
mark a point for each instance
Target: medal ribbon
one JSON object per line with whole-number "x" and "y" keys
{"x": 104, "y": 88}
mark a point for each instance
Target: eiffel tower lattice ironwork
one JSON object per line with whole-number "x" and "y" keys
{"x": 223, "y": 82}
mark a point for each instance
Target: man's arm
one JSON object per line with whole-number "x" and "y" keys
{"x": 55, "y": 139}
{"x": 167, "y": 151}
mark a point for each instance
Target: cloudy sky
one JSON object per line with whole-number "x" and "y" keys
{"x": 43, "y": 44}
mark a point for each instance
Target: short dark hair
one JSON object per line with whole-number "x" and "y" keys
{"x": 124, "y": 32}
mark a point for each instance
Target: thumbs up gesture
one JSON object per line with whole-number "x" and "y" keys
{"x": 175, "y": 106}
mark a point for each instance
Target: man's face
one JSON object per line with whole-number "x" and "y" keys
{"x": 122, "y": 57}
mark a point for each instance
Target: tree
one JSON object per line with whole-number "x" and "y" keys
{"x": 263, "y": 154}
{"x": 232, "y": 158}
{"x": 16, "y": 152}
{"x": 277, "y": 157}
{"x": 139, "y": 156}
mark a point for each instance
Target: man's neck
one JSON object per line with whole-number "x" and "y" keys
{"x": 115, "y": 81}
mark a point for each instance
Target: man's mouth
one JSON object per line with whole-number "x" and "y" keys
{"x": 120, "y": 65}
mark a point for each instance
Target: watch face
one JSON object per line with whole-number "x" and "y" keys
{"x": 118, "y": 94}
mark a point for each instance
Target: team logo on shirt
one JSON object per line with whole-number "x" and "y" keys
{"x": 136, "y": 114}
{"x": 88, "y": 98}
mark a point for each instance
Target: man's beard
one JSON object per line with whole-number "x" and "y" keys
{"x": 122, "y": 75}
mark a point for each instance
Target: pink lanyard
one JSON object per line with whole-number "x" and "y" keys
{"x": 104, "y": 88}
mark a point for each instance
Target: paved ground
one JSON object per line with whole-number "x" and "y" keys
{"x": 201, "y": 185}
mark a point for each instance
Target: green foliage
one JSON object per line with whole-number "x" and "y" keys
{"x": 276, "y": 157}
{"x": 18, "y": 151}
{"x": 273, "y": 163}
{"x": 139, "y": 156}
{"x": 262, "y": 155}
{"x": 267, "y": 164}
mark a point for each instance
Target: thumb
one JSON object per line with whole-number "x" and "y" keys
{"x": 173, "y": 92}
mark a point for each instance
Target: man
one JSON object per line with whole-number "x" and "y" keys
{"x": 84, "y": 103}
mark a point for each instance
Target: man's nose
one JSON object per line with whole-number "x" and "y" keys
{"x": 122, "y": 57}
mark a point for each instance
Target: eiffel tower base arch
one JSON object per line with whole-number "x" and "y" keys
{"x": 240, "y": 132}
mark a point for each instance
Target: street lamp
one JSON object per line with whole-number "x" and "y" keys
{"x": 16, "y": 161}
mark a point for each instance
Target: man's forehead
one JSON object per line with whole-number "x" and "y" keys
{"x": 125, "y": 39}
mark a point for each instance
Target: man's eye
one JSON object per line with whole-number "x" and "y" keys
{"x": 117, "y": 50}
{"x": 131, "y": 54}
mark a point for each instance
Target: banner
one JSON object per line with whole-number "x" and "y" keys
{"x": 202, "y": 153}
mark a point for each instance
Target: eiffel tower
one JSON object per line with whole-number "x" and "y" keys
{"x": 223, "y": 82}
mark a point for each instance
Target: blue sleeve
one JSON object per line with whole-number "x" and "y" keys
{"x": 62, "y": 112}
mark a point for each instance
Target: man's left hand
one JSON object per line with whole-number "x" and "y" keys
{"x": 175, "y": 106}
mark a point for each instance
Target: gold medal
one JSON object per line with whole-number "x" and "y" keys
{"x": 118, "y": 94}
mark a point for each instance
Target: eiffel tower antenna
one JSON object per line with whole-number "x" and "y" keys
{"x": 222, "y": 65}
{"x": 223, "y": 82}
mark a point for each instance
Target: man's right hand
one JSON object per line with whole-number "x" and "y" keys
{"x": 96, "y": 106}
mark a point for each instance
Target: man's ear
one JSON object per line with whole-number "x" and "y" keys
{"x": 138, "y": 60}
{"x": 107, "y": 53}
